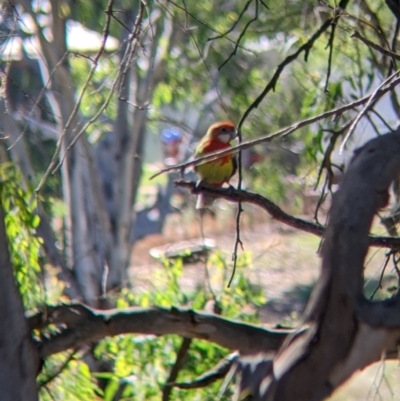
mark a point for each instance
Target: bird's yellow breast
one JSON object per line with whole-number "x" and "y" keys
{"x": 216, "y": 172}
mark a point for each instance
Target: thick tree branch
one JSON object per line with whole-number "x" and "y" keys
{"x": 85, "y": 325}
{"x": 337, "y": 343}
{"x": 236, "y": 195}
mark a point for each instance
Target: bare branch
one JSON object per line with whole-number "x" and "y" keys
{"x": 205, "y": 24}
{"x": 306, "y": 47}
{"x": 379, "y": 285}
{"x": 238, "y": 241}
{"x": 330, "y": 46}
{"x": 180, "y": 360}
{"x": 378, "y": 93}
{"x": 219, "y": 36}
{"x": 236, "y": 195}
{"x": 218, "y": 372}
{"x": 375, "y": 46}
{"x": 241, "y": 36}
{"x": 85, "y": 325}
{"x": 281, "y": 133}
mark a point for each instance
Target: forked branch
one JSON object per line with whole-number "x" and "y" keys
{"x": 341, "y": 337}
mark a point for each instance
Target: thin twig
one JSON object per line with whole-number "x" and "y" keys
{"x": 321, "y": 200}
{"x": 218, "y": 372}
{"x": 330, "y": 45}
{"x": 180, "y": 359}
{"x": 379, "y": 285}
{"x": 121, "y": 71}
{"x": 39, "y": 98}
{"x": 49, "y": 393}
{"x": 210, "y": 74}
{"x": 326, "y": 161}
{"x": 376, "y": 95}
{"x": 306, "y": 47}
{"x": 74, "y": 112}
{"x": 281, "y": 133}
{"x": 222, "y": 35}
{"x": 374, "y": 126}
{"x": 375, "y": 46}
{"x": 238, "y": 242}
{"x": 132, "y": 44}
{"x": 396, "y": 268}
{"x": 240, "y": 37}
{"x": 208, "y": 26}
{"x": 382, "y": 120}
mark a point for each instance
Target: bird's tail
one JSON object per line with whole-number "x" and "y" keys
{"x": 204, "y": 201}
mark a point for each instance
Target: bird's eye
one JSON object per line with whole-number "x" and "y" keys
{"x": 224, "y": 130}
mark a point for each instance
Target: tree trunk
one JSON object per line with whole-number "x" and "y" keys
{"x": 345, "y": 332}
{"x": 19, "y": 359}
{"x": 86, "y": 223}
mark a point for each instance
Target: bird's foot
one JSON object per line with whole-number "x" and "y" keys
{"x": 231, "y": 188}
{"x": 197, "y": 186}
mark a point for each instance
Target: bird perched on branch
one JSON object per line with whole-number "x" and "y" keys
{"x": 216, "y": 172}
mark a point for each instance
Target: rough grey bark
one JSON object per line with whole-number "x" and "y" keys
{"x": 19, "y": 358}
{"x": 345, "y": 333}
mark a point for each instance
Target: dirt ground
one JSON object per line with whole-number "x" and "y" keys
{"x": 285, "y": 263}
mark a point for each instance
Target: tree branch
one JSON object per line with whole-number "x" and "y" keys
{"x": 180, "y": 360}
{"x": 218, "y": 372}
{"x": 337, "y": 343}
{"x": 376, "y": 95}
{"x": 375, "y": 46}
{"x": 306, "y": 47}
{"x": 236, "y": 195}
{"x": 85, "y": 325}
{"x": 282, "y": 132}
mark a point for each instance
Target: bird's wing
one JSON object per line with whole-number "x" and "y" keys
{"x": 205, "y": 146}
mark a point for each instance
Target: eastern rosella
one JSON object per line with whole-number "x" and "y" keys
{"x": 219, "y": 171}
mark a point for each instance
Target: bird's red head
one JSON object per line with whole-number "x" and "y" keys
{"x": 224, "y": 131}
